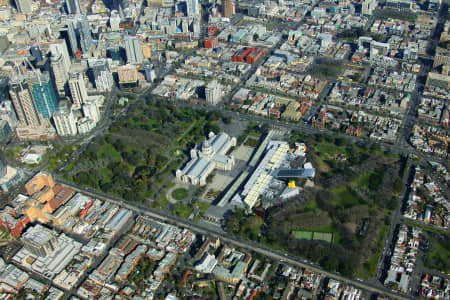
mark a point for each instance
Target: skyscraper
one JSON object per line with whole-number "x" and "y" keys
{"x": 150, "y": 74}
{"x": 114, "y": 21}
{"x": 227, "y": 8}
{"x": 213, "y": 92}
{"x": 65, "y": 121}
{"x": 36, "y": 53}
{"x": 127, "y": 74}
{"x": 68, "y": 34}
{"x": 73, "y": 7}
{"x": 85, "y": 33}
{"x": 24, "y": 105}
{"x": 115, "y": 53}
{"x": 3, "y": 164}
{"x": 4, "y": 42}
{"x": 133, "y": 50}
{"x": 8, "y": 114}
{"x": 24, "y": 6}
{"x": 39, "y": 240}
{"x": 192, "y": 8}
{"x": 368, "y": 6}
{"x": 91, "y": 111}
{"x": 59, "y": 48}
{"x": 60, "y": 73}
{"x": 44, "y": 95}
{"x": 100, "y": 74}
{"x": 77, "y": 88}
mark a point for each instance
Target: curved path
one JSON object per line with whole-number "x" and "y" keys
{"x": 176, "y": 186}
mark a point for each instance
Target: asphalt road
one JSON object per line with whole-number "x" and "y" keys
{"x": 401, "y": 147}
{"x": 251, "y": 246}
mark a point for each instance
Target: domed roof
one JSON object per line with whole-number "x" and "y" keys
{"x": 206, "y": 144}
{"x": 207, "y": 149}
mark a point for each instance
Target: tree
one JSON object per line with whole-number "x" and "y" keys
{"x": 119, "y": 145}
{"x": 84, "y": 178}
{"x": 340, "y": 142}
{"x": 226, "y": 120}
{"x": 265, "y": 128}
{"x": 330, "y": 263}
{"x": 211, "y": 127}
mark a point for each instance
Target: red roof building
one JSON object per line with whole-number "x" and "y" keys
{"x": 211, "y": 42}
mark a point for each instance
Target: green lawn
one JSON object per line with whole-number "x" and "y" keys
{"x": 370, "y": 266}
{"x": 13, "y": 153}
{"x": 323, "y": 236}
{"x": 180, "y": 194}
{"x": 160, "y": 203}
{"x": 252, "y": 142}
{"x": 182, "y": 210}
{"x": 186, "y": 135}
{"x": 316, "y": 235}
{"x": 329, "y": 229}
{"x": 312, "y": 206}
{"x": 329, "y": 148}
{"x": 203, "y": 206}
{"x": 177, "y": 152}
{"x": 107, "y": 174}
{"x": 372, "y": 180}
{"x": 109, "y": 151}
{"x": 346, "y": 198}
{"x": 362, "y": 180}
{"x": 303, "y": 235}
{"x": 438, "y": 256}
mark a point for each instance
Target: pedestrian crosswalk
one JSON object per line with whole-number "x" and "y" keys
{"x": 279, "y": 132}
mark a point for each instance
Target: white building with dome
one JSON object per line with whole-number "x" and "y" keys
{"x": 210, "y": 155}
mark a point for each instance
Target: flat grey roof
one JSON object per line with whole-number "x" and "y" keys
{"x": 297, "y": 173}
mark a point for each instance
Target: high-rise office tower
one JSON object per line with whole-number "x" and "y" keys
{"x": 150, "y": 74}
{"x": 85, "y": 125}
{"x": 192, "y": 8}
{"x": 24, "y": 105}
{"x": 4, "y": 42}
{"x": 73, "y": 7}
{"x": 68, "y": 34}
{"x": 36, "y": 53}
{"x": 60, "y": 73}
{"x": 227, "y": 8}
{"x": 8, "y": 114}
{"x": 213, "y": 92}
{"x": 44, "y": 95}
{"x": 59, "y": 48}
{"x": 65, "y": 121}
{"x": 91, "y": 111}
{"x": 3, "y": 164}
{"x": 115, "y": 53}
{"x": 77, "y": 88}
{"x": 4, "y": 87}
{"x": 100, "y": 74}
{"x": 127, "y": 74}
{"x": 114, "y": 20}
{"x": 24, "y": 6}
{"x": 368, "y": 7}
{"x": 133, "y": 50}
{"x": 85, "y": 33}
{"x": 39, "y": 240}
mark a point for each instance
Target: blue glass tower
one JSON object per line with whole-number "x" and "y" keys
{"x": 44, "y": 95}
